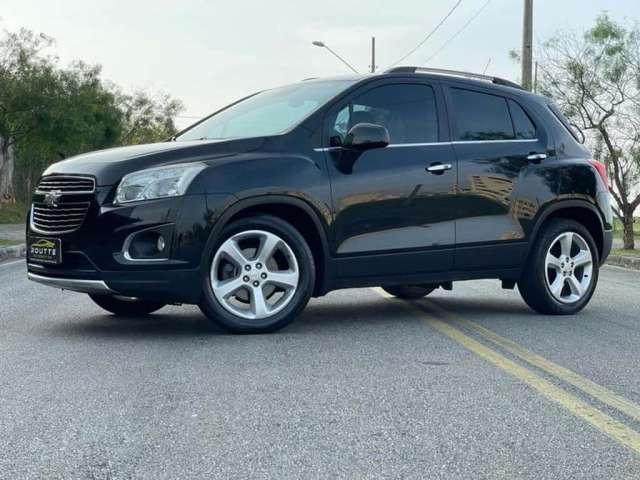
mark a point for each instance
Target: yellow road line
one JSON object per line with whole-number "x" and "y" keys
{"x": 596, "y": 391}
{"x": 603, "y": 422}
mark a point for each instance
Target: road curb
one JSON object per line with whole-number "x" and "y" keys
{"x": 13, "y": 251}
{"x": 624, "y": 261}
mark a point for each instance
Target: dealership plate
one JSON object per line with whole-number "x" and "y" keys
{"x": 45, "y": 250}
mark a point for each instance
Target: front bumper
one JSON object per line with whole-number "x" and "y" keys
{"x": 94, "y": 260}
{"x": 73, "y": 284}
{"x": 168, "y": 286}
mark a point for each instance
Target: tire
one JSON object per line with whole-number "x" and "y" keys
{"x": 557, "y": 286}
{"x": 240, "y": 291}
{"x": 410, "y": 292}
{"x": 123, "y": 307}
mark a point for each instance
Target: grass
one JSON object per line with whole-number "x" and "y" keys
{"x": 7, "y": 243}
{"x": 12, "y": 212}
{"x": 628, "y": 253}
{"x": 617, "y": 228}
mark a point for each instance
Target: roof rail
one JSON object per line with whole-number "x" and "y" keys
{"x": 456, "y": 73}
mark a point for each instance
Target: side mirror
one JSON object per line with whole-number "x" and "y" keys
{"x": 365, "y": 136}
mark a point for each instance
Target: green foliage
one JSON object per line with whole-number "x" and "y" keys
{"x": 148, "y": 119}
{"x": 618, "y": 228}
{"x": 625, "y": 252}
{"x": 48, "y": 112}
{"x": 12, "y": 212}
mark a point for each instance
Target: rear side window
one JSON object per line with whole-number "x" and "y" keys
{"x": 480, "y": 116}
{"x": 407, "y": 111}
{"x": 525, "y": 129}
{"x": 565, "y": 123}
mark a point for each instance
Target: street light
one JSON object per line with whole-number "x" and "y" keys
{"x": 320, "y": 44}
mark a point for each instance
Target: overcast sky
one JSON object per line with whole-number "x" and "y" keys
{"x": 208, "y": 53}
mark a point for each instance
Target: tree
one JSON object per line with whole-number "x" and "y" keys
{"x": 26, "y": 83}
{"x": 48, "y": 113}
{"x": 81, "y": 115}
{"x": 148, "y": 119}
{"x": 595, "y": 79}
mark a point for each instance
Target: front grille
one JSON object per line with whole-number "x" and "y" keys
{"x": 66, "y": 184}
{"x": 61, "y": 218}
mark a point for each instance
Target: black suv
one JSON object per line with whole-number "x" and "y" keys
{"x": 409, "y": 180}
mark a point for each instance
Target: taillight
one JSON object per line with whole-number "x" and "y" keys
{"x": 602, "y": 170}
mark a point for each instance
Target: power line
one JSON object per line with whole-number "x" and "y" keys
{"x": 453, "y": 9}
{"x": 453, "y": 37}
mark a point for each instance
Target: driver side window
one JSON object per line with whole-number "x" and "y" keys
{"x": 408, "y": 112}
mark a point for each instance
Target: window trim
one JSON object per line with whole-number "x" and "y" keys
{"x": 434, "y": 144}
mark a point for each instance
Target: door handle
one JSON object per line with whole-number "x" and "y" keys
{"x": 438, "y": 168}
{"x": 536, "y": 157}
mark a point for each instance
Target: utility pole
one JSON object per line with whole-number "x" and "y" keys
{"x": 527, "y": 44}
{"x": 373, "y": 54}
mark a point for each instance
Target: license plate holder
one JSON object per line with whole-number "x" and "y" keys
{"x": 45, "y": 250}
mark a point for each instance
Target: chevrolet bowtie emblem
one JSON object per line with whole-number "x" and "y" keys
{"x": 52, "y": 198}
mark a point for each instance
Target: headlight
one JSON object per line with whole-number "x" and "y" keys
{"x": 169, "y": 181}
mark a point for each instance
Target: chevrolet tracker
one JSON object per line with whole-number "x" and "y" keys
{"x": 409, "y": 180}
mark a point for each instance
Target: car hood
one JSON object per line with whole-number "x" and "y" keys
{"x": 109, "y": 166}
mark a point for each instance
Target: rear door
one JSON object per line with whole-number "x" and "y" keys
{"x": 498, "y": 146}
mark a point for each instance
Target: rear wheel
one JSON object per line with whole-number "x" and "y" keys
{"x": 410, "y": 292}
{"x": 126, "y": 306}
{"x": 261, "y": 276}
{"x": 562, "y": 271}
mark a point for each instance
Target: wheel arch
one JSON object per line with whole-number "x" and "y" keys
{"x": 299, "y": 213}
{"x": 581, "y": 211}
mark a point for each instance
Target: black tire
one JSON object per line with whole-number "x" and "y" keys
{"x": 533, "y": 285}
{"x": 219, "y": 315}
{"x": 126, "y": 307}
{"x": 410, "y": 292}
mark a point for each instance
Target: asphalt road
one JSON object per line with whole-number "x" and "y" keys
{"x": 466, "y": 384}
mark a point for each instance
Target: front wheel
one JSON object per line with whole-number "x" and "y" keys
{"x": 261, "y": 275}
{"x": 562, "y": 270}
{"x": 126, "y": 306}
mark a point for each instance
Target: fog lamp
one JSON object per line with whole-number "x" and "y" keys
{"x": 160, "y": 244}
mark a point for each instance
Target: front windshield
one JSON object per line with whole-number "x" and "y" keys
{"x": 267, "y": 113}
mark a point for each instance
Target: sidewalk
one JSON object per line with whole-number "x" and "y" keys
{"x": 14, "y": 233}
{"x": 624, "y": 260}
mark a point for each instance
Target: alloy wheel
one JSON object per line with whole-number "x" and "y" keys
{"x": 569, "y": 267}
{"x": 254, "y": 274}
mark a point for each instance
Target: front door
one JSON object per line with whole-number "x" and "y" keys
{"x": 393, "y": 206}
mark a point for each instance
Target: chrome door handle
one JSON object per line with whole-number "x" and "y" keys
{"x": 439, "y": 168}
{"x": 536, "y": 156}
